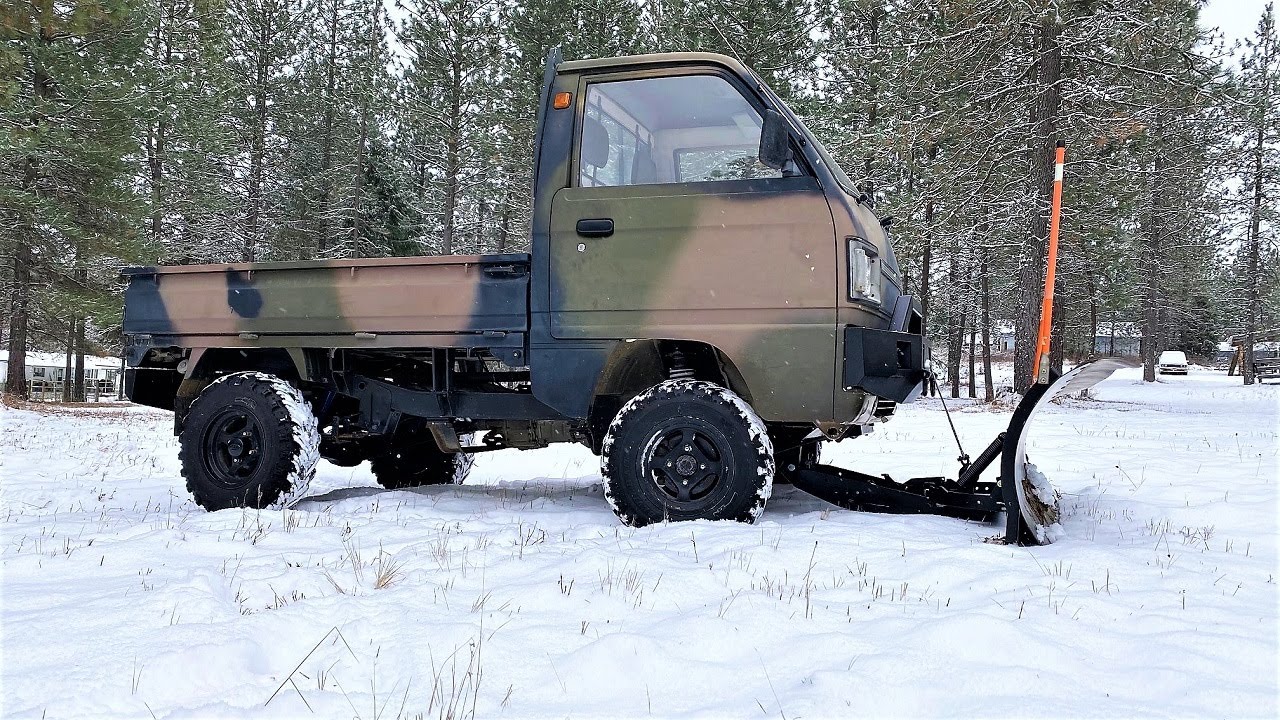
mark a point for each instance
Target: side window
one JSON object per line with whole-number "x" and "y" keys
{"x": 687, "y": 128}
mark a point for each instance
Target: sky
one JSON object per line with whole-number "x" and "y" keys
{"x": 1237, "y": 18}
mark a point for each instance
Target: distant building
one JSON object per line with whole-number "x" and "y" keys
{"x": 46, "y": 373}
{"x": 1118, "y": 339}
{"x": 1002, "y": 337}
{"x": 1126, "y": 340}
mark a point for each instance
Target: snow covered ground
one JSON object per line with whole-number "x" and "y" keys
{"x": 518, "y": 595}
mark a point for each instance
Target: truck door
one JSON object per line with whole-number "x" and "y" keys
{"x": 672, "y": 229}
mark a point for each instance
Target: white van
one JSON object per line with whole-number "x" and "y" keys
{"x": 1172, "y": 362}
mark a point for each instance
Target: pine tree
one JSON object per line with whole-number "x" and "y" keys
{"x": 1258, "y": 112}
{"x": 386, "y": 226}
{"x": 451, "y": 45}
{"x": 188, "y": 139}
{"x": 66, "y": 198}
{"x": 263, "y": 44}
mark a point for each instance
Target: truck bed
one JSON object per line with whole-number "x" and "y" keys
{"x": 446, "y": 300}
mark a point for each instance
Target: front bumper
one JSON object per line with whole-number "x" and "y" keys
{"x": 884, "y": 363}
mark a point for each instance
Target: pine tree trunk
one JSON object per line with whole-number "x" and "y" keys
{"x": 19, "y": 313}
{"x": 326, "y": 160}
{"x": 66, "y": 359}
{"x": 986, "y": 331}
{"x": 1151, "y": 232}
{"x": 27, "y": 232}
{"x": 1091, "y": 287}
{"x": 258, "y": 142}
{"x": 873, "y": 105}
{"x": 78, "y": 390}
{"x": 1044, "y": 115}
{"x": 1058, "y": 335}
{"x": 362, "y": 142}
{"x": 1253, "y": 268}
{"x": 1093, "y": 322}
{"x": 955, "y": 336}
{"x": 969, "y": 323}
{"x": 925, "y": 262}
{"x": 155, "y": 144}
{"x": 155, "y": 161}
{"x": 452, "y": 161}
{"x": 973, "y": 361}
{"x": 504, "y": 227}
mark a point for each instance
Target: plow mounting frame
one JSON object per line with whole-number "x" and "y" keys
{"x": 1029, "y": 519}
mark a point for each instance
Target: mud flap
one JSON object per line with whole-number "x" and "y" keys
{"x": 1035, "y": 522}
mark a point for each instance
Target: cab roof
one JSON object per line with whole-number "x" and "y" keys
{"x": 674, "y": 58}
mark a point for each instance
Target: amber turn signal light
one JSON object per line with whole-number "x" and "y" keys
{"x": 561, "y": 100}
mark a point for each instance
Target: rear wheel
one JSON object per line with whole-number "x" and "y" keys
{"x": 414, "y": 460}
{"x": 249, "y": 440}
{"x": 687, "y": 450}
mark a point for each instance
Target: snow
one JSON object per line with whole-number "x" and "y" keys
{"x": 1041, "y": 485}
{"x": 1042, "y": 488}
{"x": 519, "y": 594}
{"x": 306, "y": 436}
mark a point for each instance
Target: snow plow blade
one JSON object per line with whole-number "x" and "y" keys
{"x": 1036, "y": 521}
{"x": 1027, "y": 499}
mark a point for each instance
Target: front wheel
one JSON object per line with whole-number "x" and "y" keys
{"x": 687, "y": 450}
{"x": 249, "y": 440}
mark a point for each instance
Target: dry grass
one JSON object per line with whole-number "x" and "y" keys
{"x": 387, "y": 571}
{"x": 14, "y": 402}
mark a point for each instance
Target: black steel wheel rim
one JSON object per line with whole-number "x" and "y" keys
{"x": 232, "y": 447}
{"x": 687, "y": 460}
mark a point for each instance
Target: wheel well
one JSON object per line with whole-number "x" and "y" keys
{"x": 220, "y": 361}
{"x": 212, "y": 363}
{"x": 639, "y": 365}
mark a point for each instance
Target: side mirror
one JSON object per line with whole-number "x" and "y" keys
{"x": 775, "y": 141}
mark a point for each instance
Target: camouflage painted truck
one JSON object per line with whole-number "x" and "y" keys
{"x": 707, "y": 298}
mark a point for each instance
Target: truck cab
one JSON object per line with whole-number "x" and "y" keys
{"x": 706, "y": 298}
{"x": 656, "y": 218}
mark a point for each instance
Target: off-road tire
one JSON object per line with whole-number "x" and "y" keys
{"x": 687, "y": 450}
{"x": 418, "y": 461}
{"x": 249, "y": 440}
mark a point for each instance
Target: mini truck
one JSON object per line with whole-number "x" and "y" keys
{"x": 706, "y": 299}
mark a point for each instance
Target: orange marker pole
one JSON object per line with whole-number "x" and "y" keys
{"x": 1041, "y": 371}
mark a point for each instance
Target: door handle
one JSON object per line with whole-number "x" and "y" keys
{"x": 595, "y": 227}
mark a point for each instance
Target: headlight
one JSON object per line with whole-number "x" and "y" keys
{"x": 864, "y": 271}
